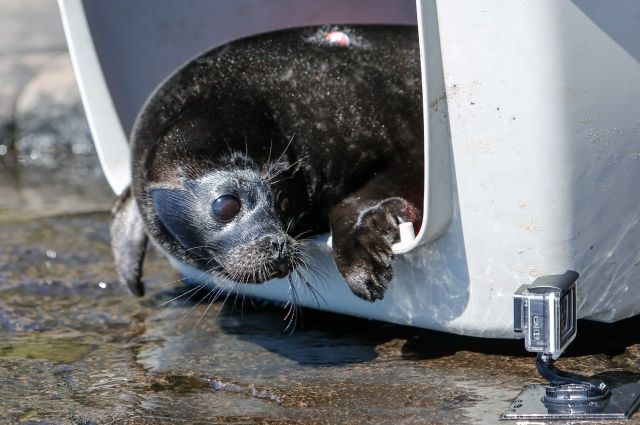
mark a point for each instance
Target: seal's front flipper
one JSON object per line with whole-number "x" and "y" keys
{"x": 128, "y": 241}
{"x": 363, "y": 232}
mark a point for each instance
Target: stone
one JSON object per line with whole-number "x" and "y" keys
{"x": 75, "y": 351}
{"x": 15, "y": 73}
{"x": 50, "y": 125}
{"x": 48, "y": 150}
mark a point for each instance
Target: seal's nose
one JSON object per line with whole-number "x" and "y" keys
{"x": 279, "y": 254}
{"x": 281, "y": 272}
{"x": 279, "y": 245}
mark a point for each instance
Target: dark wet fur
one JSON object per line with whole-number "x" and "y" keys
{"x": 339, "y": 129}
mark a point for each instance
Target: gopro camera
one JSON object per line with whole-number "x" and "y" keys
{"x": 545, "y": 312}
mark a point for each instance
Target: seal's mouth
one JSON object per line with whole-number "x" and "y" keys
{"x": 270, "y": 257}
{"x": 279, "y": 274}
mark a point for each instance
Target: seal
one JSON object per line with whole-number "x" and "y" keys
{"x": 254, "y": 145}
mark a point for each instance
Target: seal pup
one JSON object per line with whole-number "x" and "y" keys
{"x": 267, "y": 139}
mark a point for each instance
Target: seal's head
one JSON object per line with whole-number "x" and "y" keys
{"x": 234, "y": 220}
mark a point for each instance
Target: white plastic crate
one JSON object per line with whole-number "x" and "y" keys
{"x": 532, "y": 140}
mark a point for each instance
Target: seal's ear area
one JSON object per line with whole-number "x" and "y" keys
{"x": 128, "y": 241}
{"x": 175, "y": 208}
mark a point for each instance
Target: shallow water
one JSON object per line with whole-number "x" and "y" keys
{"x": 77, "y": 348}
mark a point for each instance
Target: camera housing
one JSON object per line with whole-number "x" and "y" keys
{"x": 545, "y": 312}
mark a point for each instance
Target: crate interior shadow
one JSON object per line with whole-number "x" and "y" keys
{"x": 614, "y": 21}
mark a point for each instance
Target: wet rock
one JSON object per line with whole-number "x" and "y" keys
{"x": 630, "y": 359}
{"x": 50, "y": 124}
{"x": 74, "y": 351}
{"x": 15, "y": 73}
{"x": 46, "y": 150}
{"x": 53, "y": 142}
{"x": 31, "y": 36}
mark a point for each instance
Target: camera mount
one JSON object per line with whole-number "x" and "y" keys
{"x": 545, "y": 312}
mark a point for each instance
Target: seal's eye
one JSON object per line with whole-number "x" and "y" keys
{"x": 225, "y": 208}
{"x": 282, "y": 201}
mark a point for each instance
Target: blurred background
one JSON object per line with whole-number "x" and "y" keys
{"x": 47, "y": 161}
{"x": 75, "y": 348}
